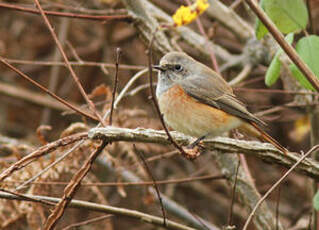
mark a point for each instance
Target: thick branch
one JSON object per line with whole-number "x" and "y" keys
{"x": 230, "y": 19}
{"x": 146, "y": 25}
{"x": 189, "y": 36}
{"x": 263, "y": 151}
{"x": 264, "y": 218}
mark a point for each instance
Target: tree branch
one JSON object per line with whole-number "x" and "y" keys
{"x": 263, "y": 151}
{"x": 102, "y": 208}
{"x": 292, "y": 54}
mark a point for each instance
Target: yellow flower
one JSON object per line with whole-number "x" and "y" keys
{"x": 202, "y": 5}
{"x": 186, "y": 14}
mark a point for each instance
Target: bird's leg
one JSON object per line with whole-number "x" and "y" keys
{"x": 196, "y": 142}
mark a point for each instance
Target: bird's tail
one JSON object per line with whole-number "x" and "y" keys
{"x": 265, "y": 136}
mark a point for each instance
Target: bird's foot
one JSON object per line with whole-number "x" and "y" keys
{"x": 192, "y": 153}
{"x": 196, "y": 142}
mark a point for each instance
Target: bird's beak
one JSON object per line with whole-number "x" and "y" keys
{"x": 158, "y": 67}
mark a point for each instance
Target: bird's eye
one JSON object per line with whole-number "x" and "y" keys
{"x": 178, "y": 68}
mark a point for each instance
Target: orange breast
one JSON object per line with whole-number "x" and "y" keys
{"x": 187, "y": 115}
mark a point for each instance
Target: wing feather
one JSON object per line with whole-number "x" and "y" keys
{"x": 212, "y": 90}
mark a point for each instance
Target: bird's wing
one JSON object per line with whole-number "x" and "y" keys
{"x": 212, "y": 90}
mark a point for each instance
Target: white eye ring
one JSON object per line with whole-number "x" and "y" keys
{"x": 178, "y": 67}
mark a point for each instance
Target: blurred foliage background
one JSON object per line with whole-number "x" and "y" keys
{"x": 91, "y": 46}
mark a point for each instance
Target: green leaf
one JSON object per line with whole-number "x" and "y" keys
{"x": 315, "y": 201}
{"x": 308, "y": 49}
{"x": 289, "y": 39}
{"x": 260, "y": 29}
{"x": 288, "y": 16}
{"x": 273, "y": 70}
{"x": 300, "y": 77}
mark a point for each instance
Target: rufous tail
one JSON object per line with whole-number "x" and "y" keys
{"x": 269, "y": 138}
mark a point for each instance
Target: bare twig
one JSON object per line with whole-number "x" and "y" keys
{"x": 55, "y": 70}
{"x": 41, "y": 152}
{"x": 170, "y": 205}
{"x": 146, "y": 218}
{"x": 46, "y": 90}
{"x": 189, "y": 36}
{"x": 150, "y": 71}
{"x": 86, "y": 222}
{"x": 203, "y": 32}
{"x": 311, "y": 27}
{"x": 124, "y": 90}
{"x": 65, "y": 14}
{"x": 142, "y": 158}
{"x": 278, "y": 183}
{"x": 15, "y": 91}
{"x": 292, "y": 54}
{"x": 27, "y": 198}
{"x": 277, "y": 207}
{"x": 144, "y": 183}
{"x": 118, "y": 54}
{"x": 75, "y": 63}
{"x": 72, "y": 187}
{"x": 233, "y": 197}
{"x": 75, "y": 78}
{"x": 276, "y": 91}
{"x": 25, "y": 183}
{"x": 242, "y": 75}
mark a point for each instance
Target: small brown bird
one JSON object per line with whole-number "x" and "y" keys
{"x": 196, "y": 101}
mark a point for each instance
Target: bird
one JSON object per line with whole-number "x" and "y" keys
{"x": 197, "y": 101}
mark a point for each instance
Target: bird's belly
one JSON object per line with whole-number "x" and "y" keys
{"x": 186, "y": 115}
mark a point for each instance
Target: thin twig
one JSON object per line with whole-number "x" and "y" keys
{"x": 177, "y": 146}
{"x": 67, "y": 14}
{"x": 41, "y": 152}
{"x": 275, "y": 91}
{"x": 86, "y": 222}
{"x": 276, "y": 184}
{"x": 46, "y": 90}
{"x": 55, "y": 70}
{"x": 277, "y": 207}
{"x": 118, "y": 54}
{"x": 144, "y": 183}
{"x": 311, "y": 27}
{"x": 242, "y": 75}
{"x": 124, "y": 90}
{"x": 203, "y": 32}
{"x": 283, "y": 44}
{"x": 29, "y": 95}
{"x": 72, "y": 187}
{"x": 233, "y": 197}
{"x": 310, "y": 220}
{"x": 142, "y": 158}
{"x": 25, "y": 183}
{"x": 75, "y": 78}
{"x": 75, "y": 63}
{"x": 84, "y": 205}
{"x": 27, "y": 198}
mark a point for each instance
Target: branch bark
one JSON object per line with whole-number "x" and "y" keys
{"x": 230, "y": 19}
{"x": 264, "y": 151}
{"x": 146, "y": 25}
